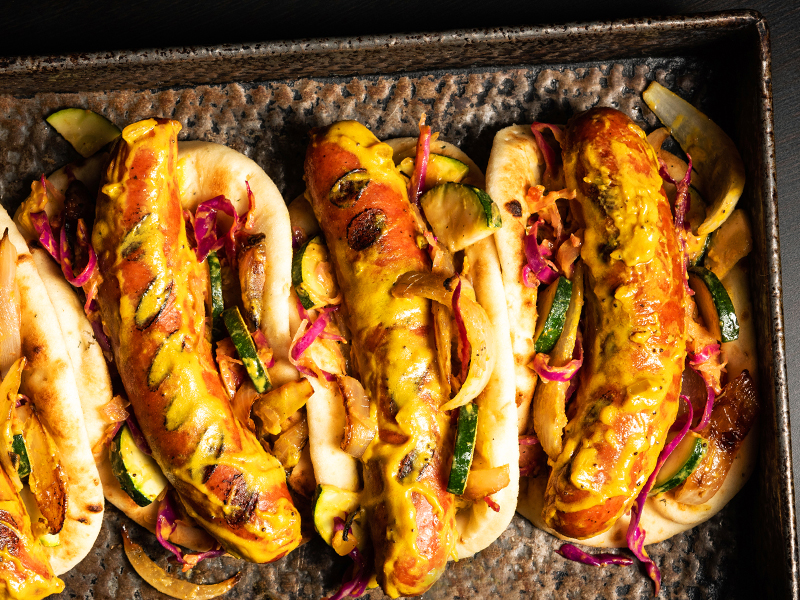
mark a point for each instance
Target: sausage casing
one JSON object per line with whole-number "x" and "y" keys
{"x": 635, "y": 332}
{"x": 152, "y": 303}
{"x": 371, "y": 239}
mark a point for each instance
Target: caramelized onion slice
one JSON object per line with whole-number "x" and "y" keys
{"x": 48, "y": 478}
{"x": 479, "y": 329}
{"x": 288, "y": 447}
{"x": 360, "y": 428}
{"x": 159, "y": 579}
{"x": 277, "y": 405}
{"x": 485, "y": 482}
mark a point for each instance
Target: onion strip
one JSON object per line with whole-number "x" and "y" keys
{"x": 478, "y": 328}
{"x": 160, "y": 580}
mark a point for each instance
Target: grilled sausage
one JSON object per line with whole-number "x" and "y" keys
{"x": 151, "y": 299}
{"x": 362, "y": 205}
{"x": 630, "y": 383}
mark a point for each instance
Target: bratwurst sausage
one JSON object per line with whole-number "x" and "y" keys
{"x": 152, "y": 304}
{"x": 362, "y": 205}
{"x": 635, "y": 332}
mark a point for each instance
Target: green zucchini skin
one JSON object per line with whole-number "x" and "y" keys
{"x": 466, "y": 434}
{"x": 243, "y": 342}
{"x": 20, "y": 449}
{"x": 687, "y": 457}
{"x": 139, "y": 476}
{"x": 714, "y": 303}
{"x": 552, "y": 314}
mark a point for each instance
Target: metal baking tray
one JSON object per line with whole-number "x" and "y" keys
{"x": 263, "y": 98}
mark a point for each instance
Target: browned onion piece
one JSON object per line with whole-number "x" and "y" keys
{"x": 48, "y": 479}
{"x": 10, "y": 341}
{"x": 485, "y": 482}
{"x": 288, "y": 447}
{"x": 277, "y": 405}
{"x": 159, "y": 579}
{"x": 360, "y": 428}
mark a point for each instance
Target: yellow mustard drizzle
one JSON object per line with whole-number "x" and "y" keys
{"x": 176, "y": 371}
{"x": 631, "y": 201}
{"x": 402, "y": 370}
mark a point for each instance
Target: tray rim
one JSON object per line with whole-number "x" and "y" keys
{"x": 20, "y": 66}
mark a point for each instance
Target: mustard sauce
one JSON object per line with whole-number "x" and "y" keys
{"x": 635, "y": 332}
{"x": 152, "y": 300}
{"x": 395, "y": 353}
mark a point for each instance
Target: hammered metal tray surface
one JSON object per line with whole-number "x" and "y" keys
{"x": 734, "y": 555}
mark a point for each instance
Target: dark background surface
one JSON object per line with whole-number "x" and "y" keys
{"x": 42, "y": 28}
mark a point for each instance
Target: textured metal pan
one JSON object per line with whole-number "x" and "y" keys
{"x": 262, "y": 100}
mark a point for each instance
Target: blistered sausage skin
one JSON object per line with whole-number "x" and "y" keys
{"x": 151, "y": 299}
{"x": 372, "y": 241}
{"x": 635, "y": 334}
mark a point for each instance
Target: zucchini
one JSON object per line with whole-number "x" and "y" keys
{"x": 138, "y": 474}
{"x": 85, "y": 130}
{"x": 460, "y": 214}
{"x": 50, "y": 540}
{"x": 217, "y": 304}
{"x": 685, "y": 458}
{"x": 441, "y": 169}
{"x": 246, "y": 349}
{"x": 313, "y": 288}
{"x": 329, "y": 502}
{"x": 466, "y": 434}
{"x": 18, "y": 447}
{"x": 552, "y": 307}
{"x": 714, "y": 303}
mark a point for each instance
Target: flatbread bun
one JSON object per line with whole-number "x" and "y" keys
{"x": 479, "y": 526}
{"x": 515, "y": 165}
{"x": 49, "y": 381}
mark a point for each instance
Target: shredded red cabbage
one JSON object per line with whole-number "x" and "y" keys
{"x": 138, "y": 436}
{"x": 82, "y": 239}
{"x": 695, "y": 360}
{"x": 165, "y": 526}
{"x": 463, "y": 345}
{"x": 541, "y": 365}
{"x": 492, "y": 504}
{"x": 46, "y": 238}
{"x": 357, "y": 576}
{"x": 636, "y": 534}
{"x": 22, "y": 399}
{"x": 683, "y": 200}
{"x": 315, "y": 330}
{"x": 417, "y": 184}
{"x": 698, "y": 358}
{"x": 600, "y": 559}
{"x": 547, "y": 151}
{"x": 206, "y": 228}
{"x": 538, "y": 263}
